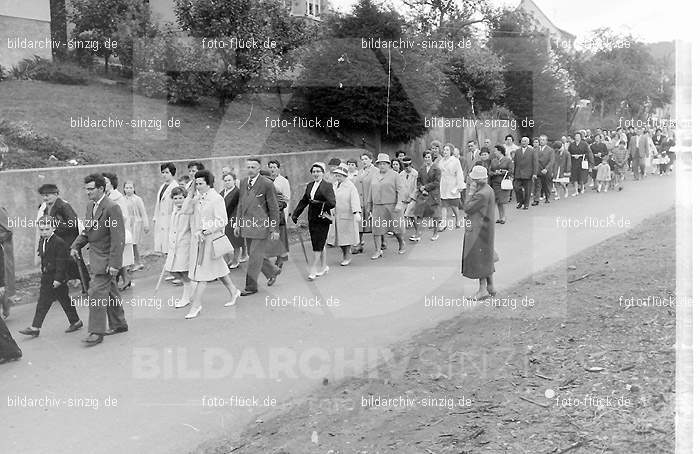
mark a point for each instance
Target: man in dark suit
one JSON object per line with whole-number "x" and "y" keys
{"x": 66, "y": 227}
{"x": 257, "y": 220}
{"x": 525, "y": 172}
{"x": 54, "y": 278}
{"x": 545, "y": 163}
{"x": 104, "y": 231}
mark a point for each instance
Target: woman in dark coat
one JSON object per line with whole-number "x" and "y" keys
{"x": 561, "y": 169}
{"x": 501, "y": 167}
{"x": 9, "y": 351}
{"x": 231, "y": 194}
{"x": 478, "y": 256}
{"x": 320, "y": 199}
{"x": 579, "y": 151}
{"x": 427, "y": 196}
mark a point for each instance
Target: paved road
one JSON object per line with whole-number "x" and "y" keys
{"x": 165, "y": 375}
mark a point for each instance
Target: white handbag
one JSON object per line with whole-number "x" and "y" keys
{"x": 584, "y": 164}
{"x": 506, "y": 183}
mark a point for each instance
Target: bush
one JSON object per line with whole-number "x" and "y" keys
{"x": 28, "y": 149}
{"x": 39, "y": 68}
{"x": 151, "y": 84}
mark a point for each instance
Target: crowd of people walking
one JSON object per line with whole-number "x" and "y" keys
{"x": 204, "y": 233}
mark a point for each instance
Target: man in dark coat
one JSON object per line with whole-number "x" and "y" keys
{"x": 66, "y": 224}
{"x": 54, "y": 278}
{"x": 545, "y": 162}
{"x": 525, "y": 172}
{"x": 257, "y": 220}
{"x": 478, "y": 255}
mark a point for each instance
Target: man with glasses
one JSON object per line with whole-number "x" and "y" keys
{"x": 104, "y": 231}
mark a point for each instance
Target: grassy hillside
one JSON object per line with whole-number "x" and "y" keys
{"x": 47, "y": 110}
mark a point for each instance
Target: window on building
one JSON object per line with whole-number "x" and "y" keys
{"x": 313, "y": 8}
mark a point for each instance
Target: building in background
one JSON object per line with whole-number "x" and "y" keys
{"x": 25, "y": 30}
{"x": 557, "y": 36}
{"x": 164, "y": 10}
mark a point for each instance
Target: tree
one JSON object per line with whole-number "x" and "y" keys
{"x": 97, "y": 22}
{"x": 265, "y": 30}
{"x": 538, "y": 86}
{"x": 457, "y": 15}
{"x": 59, "y": 31}
{"x": 376, "y": 89}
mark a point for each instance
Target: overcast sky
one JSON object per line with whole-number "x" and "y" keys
{"x": 648, "y": 21}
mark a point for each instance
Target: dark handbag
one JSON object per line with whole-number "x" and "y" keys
{"x": 324, "y": 217}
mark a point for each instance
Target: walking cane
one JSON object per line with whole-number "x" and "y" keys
{"x": 303, "y": 247}
{"x": 81, "y": 273}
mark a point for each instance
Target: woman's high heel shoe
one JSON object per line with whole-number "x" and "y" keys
{"x": 233, "y": 299}
{"x": 311, "y": 277}
{"x": 324, "y": 271}
{"x": 377, "y": 255}
{"x": 193, "y": 313}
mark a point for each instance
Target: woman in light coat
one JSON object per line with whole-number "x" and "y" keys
{"x": 208, "y": 222}
{"x": 163, "y": 208}
{"x": 177, "y": 262}
{"x": 138, "y": 219}
{"x": 345, "y": 231}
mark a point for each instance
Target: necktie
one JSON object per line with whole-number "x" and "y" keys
{"x": 43, "y": 247}
{"x": 250, "y": 184}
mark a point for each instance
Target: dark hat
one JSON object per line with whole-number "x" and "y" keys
{"x": 48, "y": 188}
{"x": 406, "y": 160}
{"x": 334, "y": 162}
{"x": 265, "y": 173}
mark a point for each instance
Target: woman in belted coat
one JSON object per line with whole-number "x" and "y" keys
{"x": 320, "y": 199}
{"x": 478, "y": 256}
{"x": 207, "y": 224}
{"x": 427, "y": 197}
{"x": 501, "y": 167}
{"x": 345, "y": 230}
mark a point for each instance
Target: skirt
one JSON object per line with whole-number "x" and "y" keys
{"x": 385, "y": 218}
{"x": 366, "y": 224}
{"x": 319, "y": 235}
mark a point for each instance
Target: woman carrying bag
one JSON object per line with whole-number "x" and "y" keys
{"x": 320, "y": 199}
{"x": 501, "y": 172}
{"x": 209, "y": 242}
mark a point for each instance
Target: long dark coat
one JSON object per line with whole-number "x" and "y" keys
{"x": 479, "y": 233}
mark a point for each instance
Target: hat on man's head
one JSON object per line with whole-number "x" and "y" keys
{"x": 342, "y": 169}
{"x": 334, "y": 162}
{"x": 406, "y": 160}
{"x": 48, "y": 188}
{"x": 266, "y": 173}
{"x": 478, "y": 173}
{"x": 383, "y": 157}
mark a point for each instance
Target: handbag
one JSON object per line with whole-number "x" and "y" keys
{"x": 506, "y": 183}
{"x": 584, "y": 164}
{"x": 220, "y": 247}
{"x": 325, "y": 217}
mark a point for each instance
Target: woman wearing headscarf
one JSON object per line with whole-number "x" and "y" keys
{"x": 207, "y": 224}
{"x": 501, "y": 168}
{"x": 320, "y": 199}
{"x": 478, "y": 256}
{"x": 345, "y": 230}
{"x": 385, "y": 200}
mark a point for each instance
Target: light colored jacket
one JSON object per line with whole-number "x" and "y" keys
{"x": 161, "y": 217}
{"x": 451, "y": 178}
{"x": 345, "y": 229}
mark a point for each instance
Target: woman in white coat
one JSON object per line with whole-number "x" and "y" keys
{"x": 163, "y": 208}
{"x": 345, "y": 231}
{"x": 208, "y": 222}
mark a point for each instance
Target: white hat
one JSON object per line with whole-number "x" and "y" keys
{"x": 478, "y": 173}
{"x": 341, "y": 169}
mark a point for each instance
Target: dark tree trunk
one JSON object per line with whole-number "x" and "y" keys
{"x": 59, "y": 31}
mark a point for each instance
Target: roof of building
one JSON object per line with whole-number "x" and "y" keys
{"x": 523, "y": 5}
